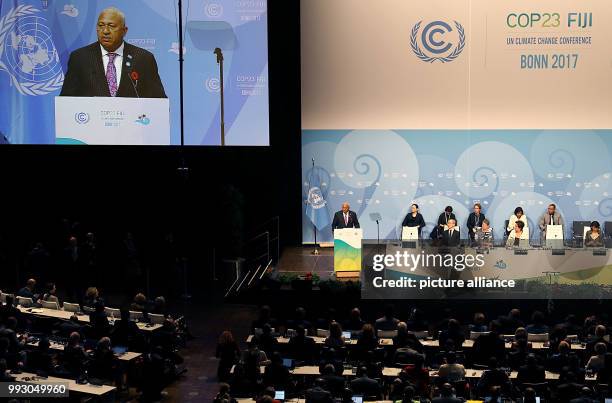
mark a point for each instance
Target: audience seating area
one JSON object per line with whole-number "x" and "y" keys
{"x": 97, "y": 349}
{"x": 324, "y": 357}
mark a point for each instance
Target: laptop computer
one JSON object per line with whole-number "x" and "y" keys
{"x": 288, "y": 363}
{"x": 346, "y": 335}
{"x": 357, "y": 399}
{"x": 119, "y": 350}
{"x": 279, "y": 395}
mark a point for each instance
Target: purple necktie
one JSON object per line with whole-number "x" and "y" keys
{"x": 111, "y": 74}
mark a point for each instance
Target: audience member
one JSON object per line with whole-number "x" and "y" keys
{"x": 537, "y": 325}
{"x": 387, "y": 321}
{"x": 453, "y": 333}
{"x": 447, "y": 395}
{"x": 224, "y": 394}
{"x": 531, "y": 372}
{"x": 335, "y": 338}
{"x": 318, "y": 393}
{"x": 28, "y": 290}
{"x": 363, "y": 385}
{"x": 49, "y": 294}
{"x": 276, "y": 374}
{"x": 354, "y": 322}
{"x": 452, "y": 371}
{"x": 228, "y": 353}
{"x": 301, "y": 347}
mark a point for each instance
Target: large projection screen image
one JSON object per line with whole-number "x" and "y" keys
{"x": 57, "y": 85}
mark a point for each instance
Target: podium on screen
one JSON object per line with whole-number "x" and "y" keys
{"x": 112, "y": 121}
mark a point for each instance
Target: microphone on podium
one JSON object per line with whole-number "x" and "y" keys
{"x": 219, "y": 54}
{"x": 132, "y": 74}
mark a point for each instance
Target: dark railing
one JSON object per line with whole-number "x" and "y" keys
{"x": 261, "y": 251}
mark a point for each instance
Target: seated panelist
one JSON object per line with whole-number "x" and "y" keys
{"x": 414, "y": 218}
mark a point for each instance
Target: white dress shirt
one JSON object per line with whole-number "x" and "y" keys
{"x": 118, "y": 61}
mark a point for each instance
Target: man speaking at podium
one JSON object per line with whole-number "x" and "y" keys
{"x": 345, "y": 218}
{"x": 111, "y": 67}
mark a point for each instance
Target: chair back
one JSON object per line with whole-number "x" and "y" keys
{"x": 421, "y": 334}
{"x": 136, "y": 315}
{"x": 157, "y": 319}
{"x": 50, "y": 305}
{"x": 386, "y": 334}
{"x": 475, "y": 335}
{"x": 112, "y": 312}
{"x": 24, "y": 301}
{"x": 322, "y": 333}
{"x": 537, "y": 337}
{"x": 71, "y": 307}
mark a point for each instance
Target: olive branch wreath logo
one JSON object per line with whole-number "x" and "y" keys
{"x": 429, "y": 59}
{"x": 26, "y": 88}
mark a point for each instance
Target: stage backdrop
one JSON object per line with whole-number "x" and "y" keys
{"x": 37, "y": 36}
{"x": 451, "y": 102}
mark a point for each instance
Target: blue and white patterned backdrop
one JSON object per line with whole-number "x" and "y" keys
{"x": 59, "y": 27}
{"x": 384, "y": 171}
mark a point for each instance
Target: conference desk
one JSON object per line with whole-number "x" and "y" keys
{"x": 127, "y": 356}
{"x": 383, "y": 342}
{"x": 389, "y": 372}
{"x": 66, "y": 315}
{"x": 87, "y": 389}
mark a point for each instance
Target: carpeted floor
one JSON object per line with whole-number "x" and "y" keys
{"x": 206, "y": 323}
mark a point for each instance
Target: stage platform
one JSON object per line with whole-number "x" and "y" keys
{"x": 300, "y": 260}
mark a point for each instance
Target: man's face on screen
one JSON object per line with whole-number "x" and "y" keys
{"x": 111, "y": 29}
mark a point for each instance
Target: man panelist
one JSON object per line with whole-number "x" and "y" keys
{"x": 451, "y": 236}
{"x": 550, "y": 217}
{"x": 112, "y": 67}
{"x": 345, "y": 218}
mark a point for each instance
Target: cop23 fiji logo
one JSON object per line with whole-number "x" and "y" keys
{"x": 435, "y": 41}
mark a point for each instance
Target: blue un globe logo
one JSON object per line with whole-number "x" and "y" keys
{"x": 30, "y": 56}
{"x": 33, "y": 56}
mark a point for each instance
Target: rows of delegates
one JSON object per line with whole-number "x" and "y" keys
{"x": 90, "y": 350}
{"x": 433, "y": 360}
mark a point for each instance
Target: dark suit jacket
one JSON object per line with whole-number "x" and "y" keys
{"x": 447, "y": 240}
{"x": 531, "y": 375}
{"x": 472, "y": 222}
{"x": 318, "y": 395}
{"x": 86, "y": 76}
{"x": 338, "y": 222}
{"x": 410, "y": 221}
{"x": 26, "y": 293}
{"x": 365, "y": 386}
{"x": 443, "y": 220}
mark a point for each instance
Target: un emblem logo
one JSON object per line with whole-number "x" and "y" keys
{"x": 432, "y": 39}
{"x": 27, "y": 52}
{"x": 315, "y": 198}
